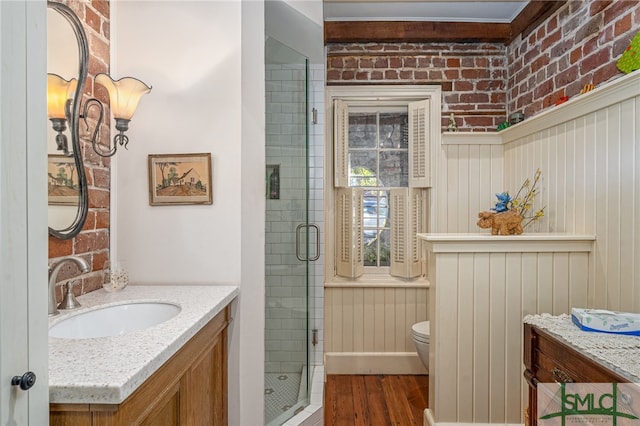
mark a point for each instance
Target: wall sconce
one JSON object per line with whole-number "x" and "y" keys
{"x": 59, "y": 93}
{"x": 124, "y": 96}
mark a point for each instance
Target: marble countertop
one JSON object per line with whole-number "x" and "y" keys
{"x": 107, "y": 370}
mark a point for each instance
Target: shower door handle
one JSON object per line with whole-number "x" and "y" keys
{"x": 307, "y": 258}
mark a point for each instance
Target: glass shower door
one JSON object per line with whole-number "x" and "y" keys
{"x": 288, "y": 233}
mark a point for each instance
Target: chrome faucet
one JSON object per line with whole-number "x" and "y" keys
{"x": 53, "y": 273}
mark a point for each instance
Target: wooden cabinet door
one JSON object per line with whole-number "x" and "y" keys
{"x": 205, "y": 385}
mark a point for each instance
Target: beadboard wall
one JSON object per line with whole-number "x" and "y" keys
{"x": 469, "y": 174}
{"x": 482, "y": 287}
{"x": 368, "y": 329}
{"x": 588, "y": 152}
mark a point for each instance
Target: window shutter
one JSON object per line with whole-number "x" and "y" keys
{"x": 407, "y": 218}
{"x": 419, "y": 145}
{"x": 349, "y": 256}
{"x": 341, "y": 144}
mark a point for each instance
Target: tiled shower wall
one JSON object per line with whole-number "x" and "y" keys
{"x": 286, "y": 291}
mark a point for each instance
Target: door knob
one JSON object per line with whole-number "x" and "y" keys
{"x": 26, "y": 381}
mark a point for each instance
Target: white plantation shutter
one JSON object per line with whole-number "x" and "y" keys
{"x": 349, "y": 256}
{"x": 419, "y": 145}
{"x": 341, "y": 144}
{"x": 407, "y": 217}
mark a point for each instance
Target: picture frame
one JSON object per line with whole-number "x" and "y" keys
{"x": 63, "y": 183}
{"x": 180, "y": 179}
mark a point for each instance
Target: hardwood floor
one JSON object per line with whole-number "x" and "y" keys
{"x": 375, "y": 400}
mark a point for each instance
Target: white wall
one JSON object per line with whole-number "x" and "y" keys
{"x": 205, "y": 63}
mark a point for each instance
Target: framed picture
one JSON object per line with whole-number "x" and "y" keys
{"x": 63, "y": 187}
{"x": 180, "y": 179}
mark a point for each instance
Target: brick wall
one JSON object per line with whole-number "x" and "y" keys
{"x": 473, "y": 76}
{"x": 484, "y": 83}
{"x": 578, "y": 45}
{"x": 92, "y": 243}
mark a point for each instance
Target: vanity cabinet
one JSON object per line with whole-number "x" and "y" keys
{"x": 189, "y": 389}
{"x": 549, "y": 359}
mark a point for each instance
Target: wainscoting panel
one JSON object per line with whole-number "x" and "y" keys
{"x": 469, "y": 176}
{"x": 365, "y": 322}
{"x": 591, "y": 185}
{"x": 479, "y": 297}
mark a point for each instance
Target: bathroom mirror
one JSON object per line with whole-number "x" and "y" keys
{"x": 67, "y": 57}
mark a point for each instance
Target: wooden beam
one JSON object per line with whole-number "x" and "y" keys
{"x": 533, "y": 15}
{"x": 414, "y": 31}
{"x": 424, "y": 31}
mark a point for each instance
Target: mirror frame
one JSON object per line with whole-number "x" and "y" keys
{"x": 74, "y": 122}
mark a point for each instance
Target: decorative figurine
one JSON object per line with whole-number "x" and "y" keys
{"x": 452, "y": 126}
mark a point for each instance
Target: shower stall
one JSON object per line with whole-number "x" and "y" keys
{"x": 292, "y": 240}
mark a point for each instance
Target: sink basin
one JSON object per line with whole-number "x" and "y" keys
{"x": 114, "y": 320}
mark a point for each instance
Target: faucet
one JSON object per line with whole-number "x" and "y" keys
{"x": 53, "y": 273}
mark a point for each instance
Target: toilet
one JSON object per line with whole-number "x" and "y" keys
{"x": 420, "y": 334}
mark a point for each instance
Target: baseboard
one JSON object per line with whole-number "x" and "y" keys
{"x": 373, "y": 363}
{"x": 428, "y": 420}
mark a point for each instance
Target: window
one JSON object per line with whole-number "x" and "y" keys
{"x": 381, "y": 170}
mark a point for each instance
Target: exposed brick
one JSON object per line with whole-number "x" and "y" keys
{"x": 589, "y": 29}
{"x": 376, "y": 75}
{"x": 91, "y": 241}
{"x": 618, "y": 8}
{"x": 595, "y": 60}
{"x": 391, "y": 75}
{"x": 478, "y": 121}
{"x": 623, "y": 25}
{"x": 474, "y": 98}
{"x": 474, "y": 73}
{"x": 101, "y": 7}
{"x": 381, "y": 63}
{"x": 551, "y": 40}
{"x": 621, "y": 45}
{"x": 462, "y": 86}
{"x": 336, "y": 63}
{"x": 395, "y": 62}
{"x": 102, "y": 219}
{"x": 453, "y": 63}
{"x": 362, "y": 75}
{"x": 598, "y": 6}
{"x": 98, "y": 198}
{"x": 606, "y": 73}
{"x": 539, "y": 63}
{"x": 409, "y": 62}
{"x": 350, "y": 62}
{"x": 365, "y": 63}
{"x": 333, "y": 75}
{"x": 421, "y": 75}
{"x": 60, "y": 248}
{"x": 452, "y": 74}
{"x": 435, "y": 75}
{"x": 567, "y": 76}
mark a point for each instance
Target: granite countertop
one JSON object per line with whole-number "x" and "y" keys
{"x": 107, "y": 370}
{"x": 616, "y": 352}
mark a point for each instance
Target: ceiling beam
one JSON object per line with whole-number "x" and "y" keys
{"x": 414, "y": 31}
{"x": 533, "y": 15}
{"x": 425, "y": 31}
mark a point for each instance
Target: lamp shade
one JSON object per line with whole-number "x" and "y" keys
{"x": 59, "y": 91}
{"x": 124, "y": 94}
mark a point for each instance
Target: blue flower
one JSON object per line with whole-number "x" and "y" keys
{"x": 503, "y": 202}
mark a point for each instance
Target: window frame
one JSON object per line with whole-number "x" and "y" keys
{"x": 362, "y": 97}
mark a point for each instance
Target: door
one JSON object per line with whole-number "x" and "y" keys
{"x": 23, "y": 211}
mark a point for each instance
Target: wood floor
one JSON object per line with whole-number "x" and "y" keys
{"x": 375, "y": 400}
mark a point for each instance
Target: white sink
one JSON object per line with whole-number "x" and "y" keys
{"x": 114, "y": 320}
